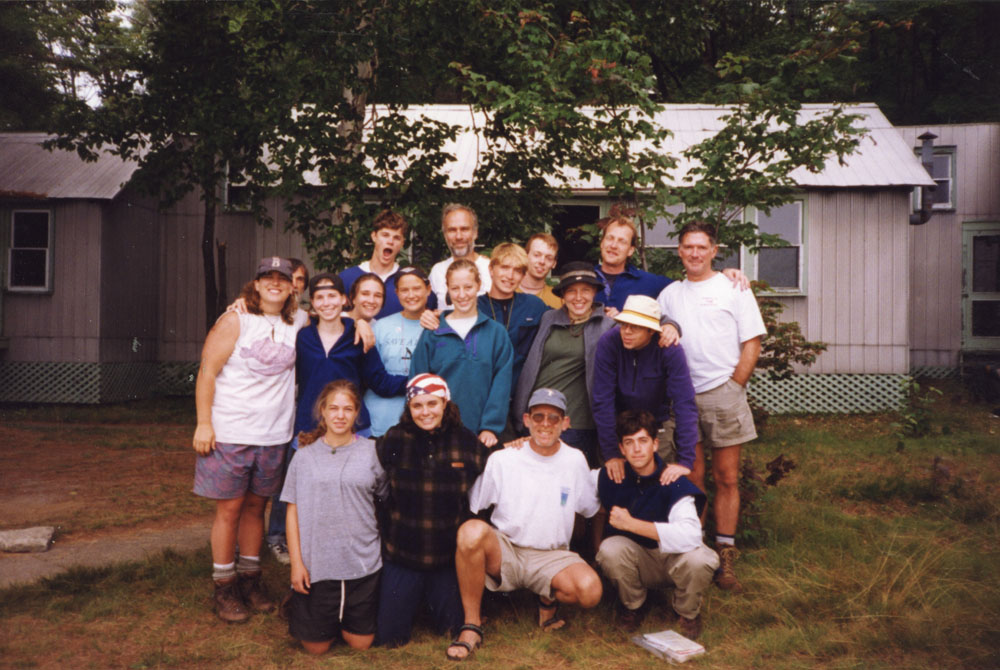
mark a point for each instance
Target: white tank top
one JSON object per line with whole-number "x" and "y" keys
{"x": 255, "y": 390}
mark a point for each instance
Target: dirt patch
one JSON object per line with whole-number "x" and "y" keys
{"x": 85, "y": 479}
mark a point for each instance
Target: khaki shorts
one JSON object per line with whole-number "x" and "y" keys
{"x": 532, "y": 569}
{"x": 724, "y": 419}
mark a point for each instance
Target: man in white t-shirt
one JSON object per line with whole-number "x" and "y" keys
{"x": 536, "y": 492}
{"x": 460, "y": 227}
{"x": 722, "y": 338}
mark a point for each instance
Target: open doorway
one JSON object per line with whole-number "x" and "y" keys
{"x": 567, "y": 228}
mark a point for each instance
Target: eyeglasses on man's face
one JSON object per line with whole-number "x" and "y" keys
{"x": 550, "y": 418}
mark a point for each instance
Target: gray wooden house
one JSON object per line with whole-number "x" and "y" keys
{"x": 121, "y": 314}
{"x": 955, "y": 257}
{"x": 103, "y": 293}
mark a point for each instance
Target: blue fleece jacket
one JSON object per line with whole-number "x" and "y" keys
{"x": 520, "y": 315}
{"x": 632, "y": 281}
{"x": 477, "y": 369}
{"x": 652, "y": 378}
{"x": 644, "y": 498}
{"x": 391, "y": 304}
{"x": 315, "y": 368}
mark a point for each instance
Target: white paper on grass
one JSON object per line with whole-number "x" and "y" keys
{"x": 669, "y": 645}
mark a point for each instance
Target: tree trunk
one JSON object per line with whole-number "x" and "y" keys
{"x": 208, "y": 261}
{"x": 223, "y": 299}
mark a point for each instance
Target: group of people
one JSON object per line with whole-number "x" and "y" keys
{"x": 452, "y": 428}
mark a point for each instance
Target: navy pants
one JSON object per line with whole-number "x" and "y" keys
{"x": 276, "y": 519}
{"x": 403, "y": 590}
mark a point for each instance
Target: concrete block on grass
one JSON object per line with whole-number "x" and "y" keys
{"x": 27, "y": 540}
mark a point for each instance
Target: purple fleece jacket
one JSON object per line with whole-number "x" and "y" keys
{"x": 651, "y": 378}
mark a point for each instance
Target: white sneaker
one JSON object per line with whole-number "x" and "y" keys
{"x": 280, "y": 552}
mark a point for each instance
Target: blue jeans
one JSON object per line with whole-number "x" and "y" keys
{"x": 276, "y": 519}
{"x": 401, "y": 592}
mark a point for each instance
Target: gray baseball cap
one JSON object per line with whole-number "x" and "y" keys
{"x": 550, "y": 397}
{"x": 274, "y": 264}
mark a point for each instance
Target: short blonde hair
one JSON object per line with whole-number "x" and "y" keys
{"x": 512, "y": 253}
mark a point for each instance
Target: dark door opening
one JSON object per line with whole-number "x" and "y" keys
{"x": 568, "y": 230}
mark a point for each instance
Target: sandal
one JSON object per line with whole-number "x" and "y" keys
{"x": 470, "y": 648}
{"x": 554, "y": 622}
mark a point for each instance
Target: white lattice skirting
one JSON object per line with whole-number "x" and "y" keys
{"x": 87, "y": 383}
{"x": 93, "y": 383}
{"x": 830, "y": 393}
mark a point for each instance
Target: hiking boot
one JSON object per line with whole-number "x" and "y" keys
{"x": 632, "y": 619}
{"x": 725, "y": 576}
{"x": 253, "y": 592}
{"x": 229, "y": 604}
{"x": 690, "y": 628}
{"x": 280, "y": 552}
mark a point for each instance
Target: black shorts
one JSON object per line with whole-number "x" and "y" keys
{"x": 318, "y": 616}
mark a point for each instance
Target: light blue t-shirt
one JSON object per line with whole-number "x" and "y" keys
{"x": 395, "y": 338}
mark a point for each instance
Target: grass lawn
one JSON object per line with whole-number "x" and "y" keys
{"x": 867, "y": 556}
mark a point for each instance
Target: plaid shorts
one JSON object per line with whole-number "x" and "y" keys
{"x": 232, "y": 470}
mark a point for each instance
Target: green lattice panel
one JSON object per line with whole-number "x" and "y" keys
{"x": 50, "y": 382}
{"x": 176, "y": 378}
{"x": 830, "y": 393}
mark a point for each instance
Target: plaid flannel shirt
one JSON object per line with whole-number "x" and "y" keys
{"x": 430, "y": 474}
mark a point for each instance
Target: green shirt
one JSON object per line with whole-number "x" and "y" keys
{"x": 564, "y": 369}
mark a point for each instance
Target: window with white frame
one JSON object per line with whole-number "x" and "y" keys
{"x": 943, "y": 173}
{"x": 29, "y": 256}
{"x": 662, "y": 236}
{"x": 781, "y": 267}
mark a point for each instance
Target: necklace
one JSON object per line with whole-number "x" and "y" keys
{"x": 509, "y": 313}
{"x": 576, "y": 329}
{"x": 273, "y": 323}
{"x": 333, "y": 449}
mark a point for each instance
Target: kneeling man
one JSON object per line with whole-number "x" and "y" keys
{"x": 655, "y": 535}
{"x": 537, "y": 491}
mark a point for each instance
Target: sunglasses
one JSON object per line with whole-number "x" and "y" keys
{"x": 549, "y": 418}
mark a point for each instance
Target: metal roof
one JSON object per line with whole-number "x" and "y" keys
{"x": 883, "y": 158}
{"x": 29, "y": 171}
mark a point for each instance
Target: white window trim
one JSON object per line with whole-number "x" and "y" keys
{"x": 943, "y": 150}
{"x": 751, "y": 261}
{"x": 48, "y": 253}
{"x": 748, "y": 262}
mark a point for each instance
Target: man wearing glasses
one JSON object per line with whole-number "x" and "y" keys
{"x": 536, "y": 493}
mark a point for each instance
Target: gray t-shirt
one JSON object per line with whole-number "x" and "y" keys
{"x": 333, "y": 491}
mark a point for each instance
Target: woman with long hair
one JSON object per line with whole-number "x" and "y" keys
{"x": 473, "y": 353}
{"x": 333, "y": 537}
{"x": 431, "y": 461}
{"x": 396, "y": 337}
{"x": 245, "y": 397}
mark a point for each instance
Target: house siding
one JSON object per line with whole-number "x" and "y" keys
{"x": 182, "y": 285}
{"x": 129, "y": 303}
{"x": 857, "y": 268}
{"x": 936, "y": 249}
{"x": 64, "y": 325}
